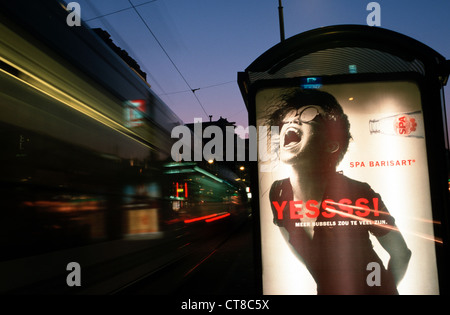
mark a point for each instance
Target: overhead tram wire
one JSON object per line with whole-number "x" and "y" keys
{"x": 170, "y": 59}
{"x": 99, "y": 16}
{"x": 117, "y": 11}
{"x": 200, "y": 88}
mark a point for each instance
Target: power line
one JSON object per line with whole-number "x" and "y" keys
{"x": 218, "y": 84}
{"x": 163, "y": 49}
{"x": 200, "y": 88}
{"x": 170, "y": 59}
{"x": 117, "y": 11}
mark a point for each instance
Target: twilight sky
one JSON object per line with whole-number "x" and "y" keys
{"x": 185, "y": 45}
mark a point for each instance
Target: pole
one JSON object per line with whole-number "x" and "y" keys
{"x": 280, "y": 15}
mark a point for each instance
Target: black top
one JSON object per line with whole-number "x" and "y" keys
{"x": 340, "y": 251}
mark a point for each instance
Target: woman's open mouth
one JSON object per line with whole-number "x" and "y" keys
{"x": 292, "y": 137}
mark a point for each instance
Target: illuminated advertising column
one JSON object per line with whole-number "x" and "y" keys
{"x": 351, "y": 166}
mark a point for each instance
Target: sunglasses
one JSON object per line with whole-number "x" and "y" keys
{"x": 305, "y": 114}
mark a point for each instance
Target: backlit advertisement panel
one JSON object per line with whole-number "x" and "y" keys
{"x": 344, "y": 190}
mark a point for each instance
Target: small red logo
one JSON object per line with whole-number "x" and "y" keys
{"x": 404, "y": 125}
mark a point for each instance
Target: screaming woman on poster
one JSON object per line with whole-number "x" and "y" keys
{"x": 325, "y": 216}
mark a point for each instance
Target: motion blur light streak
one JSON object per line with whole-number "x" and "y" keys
{"x": 72, "y": 102}
{"x": 201, "y": 262}
{"x": 200, "y": 218}
{"x": 86, "y": 169}
{"x": 209, "y": 218}
{"x": 381, "y": 212}
{"x": 384, "y": 226}
{"x": 218, "y": 217}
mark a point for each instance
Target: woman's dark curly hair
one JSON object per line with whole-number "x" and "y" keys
{"x": 337, "y": 125}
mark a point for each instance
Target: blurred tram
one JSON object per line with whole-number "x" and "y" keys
{"x": 85, "y": 151}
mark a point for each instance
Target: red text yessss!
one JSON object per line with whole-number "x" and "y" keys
{"x": 345, "y": 208}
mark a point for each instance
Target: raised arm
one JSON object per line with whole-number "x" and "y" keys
{"x": 399, "y": 252}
